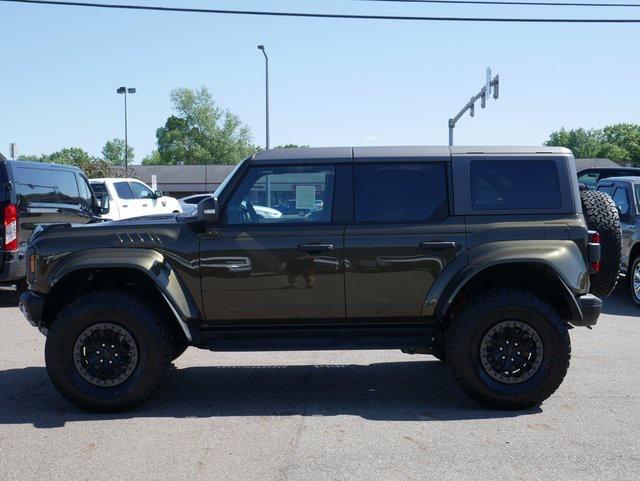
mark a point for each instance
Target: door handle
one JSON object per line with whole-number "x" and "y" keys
{"x": 125, "y": 205}
{"x": 315, "y": 247}
{"x": 438, "y": 245}
{"x": 145, "y": 205}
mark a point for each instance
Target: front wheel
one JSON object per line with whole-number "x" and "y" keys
{"x": 508, "y": 348}
{"x": 107, "y": 351}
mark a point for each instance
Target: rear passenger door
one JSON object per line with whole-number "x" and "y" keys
{"x": 402, "y": 238}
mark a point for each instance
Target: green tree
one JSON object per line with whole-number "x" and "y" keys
{"x": 619, "y": 142}
{"x": 152, "y": 159}
{"x": 290, "y": 146}
{"x": 113, "y": 152}
{"x": 201, "y": 132}
{"x": 91, "y": 166}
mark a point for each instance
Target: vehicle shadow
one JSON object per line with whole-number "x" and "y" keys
{"x": 8, "y": 297}
{"x": 619, "y": 303}
{"x": 404, "y": 391}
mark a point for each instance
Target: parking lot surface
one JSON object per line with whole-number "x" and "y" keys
{"x": 327, "y": 415}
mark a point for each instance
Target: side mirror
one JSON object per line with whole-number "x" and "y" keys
{"x": 208, "y": 211}
{"x": 104, "y": 205}
{"x": 158, "y": 194}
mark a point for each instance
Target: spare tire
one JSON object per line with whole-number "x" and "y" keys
{"x": 602, "y": 215}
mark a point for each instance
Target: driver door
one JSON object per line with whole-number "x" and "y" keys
{"x": 262, "y": 265}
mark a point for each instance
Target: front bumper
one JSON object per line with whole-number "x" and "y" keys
{"x": 591, "y": 306}
{"x": 32, "y": 305}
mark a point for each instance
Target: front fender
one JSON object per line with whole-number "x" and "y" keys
{"x": 564, "y": 258}
{"x": 155, "y": 265}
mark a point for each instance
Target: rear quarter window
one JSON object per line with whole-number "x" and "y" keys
{"x": 50, "y": 186}
{"x": 514, "y": 184}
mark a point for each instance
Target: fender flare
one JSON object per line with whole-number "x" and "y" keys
{"x": 562, "y": 259}
{"x": 153, "y": 264}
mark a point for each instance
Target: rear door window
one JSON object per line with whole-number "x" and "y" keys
{"x": 401, "y": 192}
{"x": 621, "y": 199}
{"x": 50, "y": 186}
{"x": 514, "y": 184}
{"x": 123, "y": 190}
{"x": 141, "y": 191}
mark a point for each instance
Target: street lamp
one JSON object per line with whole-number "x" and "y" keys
{"x": 125, "y": 91}
{"x": 264, "y": 52}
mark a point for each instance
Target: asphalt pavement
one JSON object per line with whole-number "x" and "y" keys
{"x": 367, "y": 415}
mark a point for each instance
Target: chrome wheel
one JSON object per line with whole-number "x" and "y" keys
{"x": 105, "y": 354}
{"x": 636, "y": 281}
{"x": 511, "y": 352}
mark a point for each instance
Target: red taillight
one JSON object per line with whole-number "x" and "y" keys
{"x": 594, "y": 238}
{"x": 11, "y": 228}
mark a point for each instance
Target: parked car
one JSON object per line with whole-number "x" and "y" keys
{"x": 33, "y": 193}
{"x": 625, "y": 192}
{"x": 190, "y": 202}
{"x": 479, "y": 256}
{"x": 591, "y": 176}
{"x": 133, "y": 198}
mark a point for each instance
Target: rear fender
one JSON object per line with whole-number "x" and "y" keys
{"x": 563, "y": 258}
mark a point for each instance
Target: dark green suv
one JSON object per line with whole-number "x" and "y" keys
{"x": 479, "y": 256}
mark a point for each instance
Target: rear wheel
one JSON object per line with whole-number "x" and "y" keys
{"x": 107, "y": 351}
{"x": 634, "y": 280}
{"x": 509, "y": 349}
{"x": 601, "y": 215}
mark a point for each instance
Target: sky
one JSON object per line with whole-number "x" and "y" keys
{"x": 333, "y": 82}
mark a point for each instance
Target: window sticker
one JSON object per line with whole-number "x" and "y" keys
{"x": 305, "y": 196}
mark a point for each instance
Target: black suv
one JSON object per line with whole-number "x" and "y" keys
{"x": 34, "y": 193}
{"x": 479, "y": 256}
{"x": 625, "y": 192}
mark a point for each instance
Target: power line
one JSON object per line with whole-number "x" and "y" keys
{"x": 325, "y": 15}
{"x": 516, "y": 3}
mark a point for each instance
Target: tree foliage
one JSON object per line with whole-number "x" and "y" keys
{"x": 619, "y": 142}
{"x": 91, "y": 166}
{"x": 290, "y": 146}
{"x": 113, "y": 152}
{"x": 201, "y": 132}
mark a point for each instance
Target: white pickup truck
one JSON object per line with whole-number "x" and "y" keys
{"x": 132, "y": 198}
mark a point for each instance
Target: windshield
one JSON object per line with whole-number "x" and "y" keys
{"x": 222, "y": 186}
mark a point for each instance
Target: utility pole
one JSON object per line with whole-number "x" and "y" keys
{"x": 482, "y": 95}
{"x": 264, "y": 52}
{"x": 125, "y": 91}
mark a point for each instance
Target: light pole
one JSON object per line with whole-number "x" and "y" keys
{"x": 484, "y": 93}
{"x": 125, "y": 91}
{"x": 264, "y": 52}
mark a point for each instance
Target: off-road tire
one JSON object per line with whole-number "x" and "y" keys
{"x": 179, "y": 344}
{"x": 477, "y": 317}
{"x": 601, "y": 215}
{"x": 149, "y": 331}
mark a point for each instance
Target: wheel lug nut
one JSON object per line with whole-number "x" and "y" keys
{"x": 507, "y": 343}
{"x": 518, "y": 353}
{"x": 101, "y": 360}
{"x": 503, "y": 357}
{"x": 97, "y": 352}
{"x": 112, "y": 346}
{"x": 511, "y": 360}
{"x": 111, "y": 362}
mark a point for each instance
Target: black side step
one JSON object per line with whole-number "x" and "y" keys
{"x": 410, "y": 339}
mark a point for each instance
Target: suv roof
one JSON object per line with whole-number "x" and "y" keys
{"x": 41, "y": 165}
{"x": 624, "y": 178}
{"x": 347, "y": 154}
